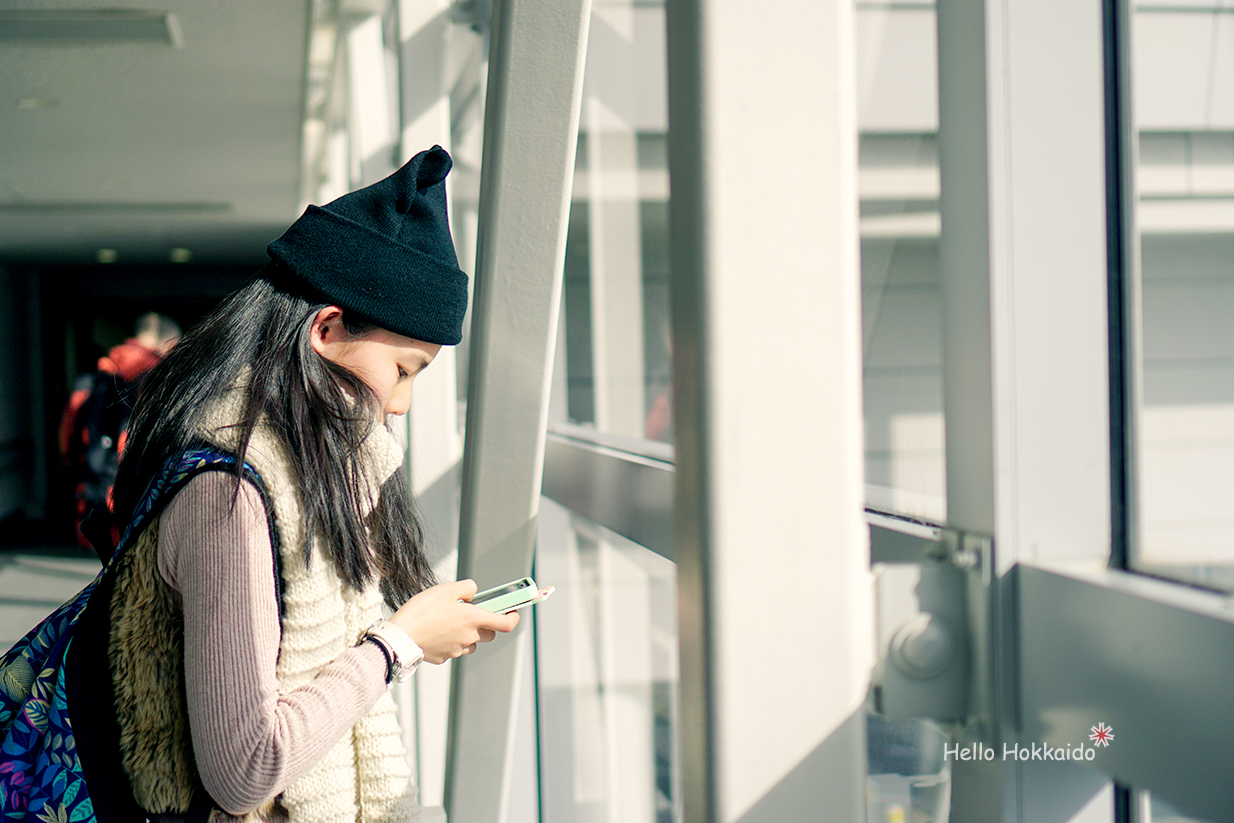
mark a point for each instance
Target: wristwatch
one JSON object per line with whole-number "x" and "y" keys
{"x": 403, "y": 653}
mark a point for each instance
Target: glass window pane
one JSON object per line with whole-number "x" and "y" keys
{"x": 909, "y": 776}
{"x": 616, "y": 276}
{"x": 606, "y": 675}
{"x": 1183, "y": 88}
{"x": 901, "y": 312}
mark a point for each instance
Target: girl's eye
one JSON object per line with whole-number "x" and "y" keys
{"x": 402, "y": 372}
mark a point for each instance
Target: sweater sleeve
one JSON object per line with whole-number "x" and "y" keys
{"x": 249, "y": 742}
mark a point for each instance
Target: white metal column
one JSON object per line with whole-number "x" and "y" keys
{"x": 1023, "y": 259}
{"x": 435, "y": 442}
{"x": 372, "y": 130}
{"x": 531, "y": 125}
{"x": 774, "y": 595}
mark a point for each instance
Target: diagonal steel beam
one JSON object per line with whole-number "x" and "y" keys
{"x": 531, "y": 117}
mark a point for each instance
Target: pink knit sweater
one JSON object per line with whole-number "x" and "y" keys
{"x": 249, "y": 742}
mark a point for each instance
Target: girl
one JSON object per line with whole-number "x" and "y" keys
{"x": 247, "y": 658}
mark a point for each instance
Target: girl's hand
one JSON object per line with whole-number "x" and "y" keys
{"x": 444, "y": 627}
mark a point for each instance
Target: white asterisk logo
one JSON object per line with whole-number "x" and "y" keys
{"x": 1102, "y": 735}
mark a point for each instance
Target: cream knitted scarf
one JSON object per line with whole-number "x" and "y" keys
{"x": 365, "y": 776}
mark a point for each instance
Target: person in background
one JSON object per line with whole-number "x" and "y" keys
{"x": 94, "y": 425}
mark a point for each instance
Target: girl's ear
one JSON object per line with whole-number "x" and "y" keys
{"x": 326, "y": 334}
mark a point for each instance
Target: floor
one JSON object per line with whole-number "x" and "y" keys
{"x": 34, "y": 582}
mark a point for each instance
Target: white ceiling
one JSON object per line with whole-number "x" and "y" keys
{"x": 144, "y": 147}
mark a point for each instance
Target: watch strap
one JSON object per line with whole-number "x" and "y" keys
{"x": 406, "y": 652}
{"x": 385, "y": 653}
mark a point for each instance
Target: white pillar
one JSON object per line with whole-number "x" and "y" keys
{"x": 775, "y": 605}
{"x": 372, "y": 104}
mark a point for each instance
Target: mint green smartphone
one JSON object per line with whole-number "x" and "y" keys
{"x": 511, "y": 596}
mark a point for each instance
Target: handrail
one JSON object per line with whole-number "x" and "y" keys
{"x": 599, "y": 477}
{"x": 626, "y": 485}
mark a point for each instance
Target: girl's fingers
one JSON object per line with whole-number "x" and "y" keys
{"x": 444, "y": 625}
{"x": 498, "y": 622}
{"x": 463, "y": 589}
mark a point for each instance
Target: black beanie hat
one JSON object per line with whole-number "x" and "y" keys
{"x": 385, "y": 252}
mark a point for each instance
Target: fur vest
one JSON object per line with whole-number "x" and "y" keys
{"x": 365, "y": 776}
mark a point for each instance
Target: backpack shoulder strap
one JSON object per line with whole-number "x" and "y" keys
{"x": 176, "y": 473}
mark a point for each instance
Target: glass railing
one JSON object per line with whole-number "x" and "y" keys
{"x": 606, "y": 676}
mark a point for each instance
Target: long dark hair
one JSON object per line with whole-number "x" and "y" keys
{"x": 320, "y": 411}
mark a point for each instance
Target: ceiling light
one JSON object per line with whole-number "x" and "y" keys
{"x": 107, "y": 255}
{"x": 64, "y": 28}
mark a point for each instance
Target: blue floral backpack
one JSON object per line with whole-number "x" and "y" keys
{"x": 59, "y": 740}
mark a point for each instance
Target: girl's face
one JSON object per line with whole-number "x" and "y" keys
{"x": 386, "y": 361}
